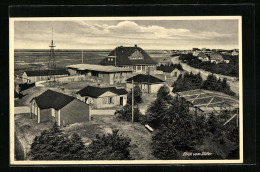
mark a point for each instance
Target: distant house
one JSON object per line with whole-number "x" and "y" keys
{"x": 41, "y": 75}
{"x": 130, "y": 57}
{"x": 54, "y": 106}
{"x": 176, "y": 72}
{"x": 234, "y": 53}
{"x": 109, "y": 74}
{"x": 196, "y": 53}
{"x": 99, "y": 97}
{"x": 147, "y": 83}
{"x": 203, "y": 57}
{"x": 165, "y": 61}
{"x": 216, "y": 58}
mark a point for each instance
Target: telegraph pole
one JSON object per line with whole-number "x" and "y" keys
{"x": 132, "y": 99}
{"x": 52, "y": 61}
{"x": 115, "y": 55}
{"x": 82, "y": 56}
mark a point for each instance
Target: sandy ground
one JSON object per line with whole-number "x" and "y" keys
{"x": 27, "y": 129}
{"x": 234, "y": 85}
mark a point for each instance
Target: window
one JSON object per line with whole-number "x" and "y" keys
{"x": 108, "y": 59}
{"x": 143, "y": 68}
{"x": 138, "y": 67}
{"x": 110, "y": 100}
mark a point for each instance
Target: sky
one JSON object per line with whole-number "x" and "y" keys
{"x": 107, "y": 34}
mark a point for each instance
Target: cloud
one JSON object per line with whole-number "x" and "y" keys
{"x": 113, "y": 33}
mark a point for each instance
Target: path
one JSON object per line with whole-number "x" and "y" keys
{"x": 234, "y": 85}
{"x": 21, "y": 109}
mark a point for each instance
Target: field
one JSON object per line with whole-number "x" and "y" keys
{"x": 38, "y": 59}
{"x": 27, "y": 129}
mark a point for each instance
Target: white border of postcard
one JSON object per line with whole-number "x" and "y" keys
{"x": 82, "y": 162}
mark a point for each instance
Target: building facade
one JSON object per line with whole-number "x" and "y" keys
{"x": 106, "y": 97}
{"x": 58, "y": 107}
{"x": 109, "y": 74}
{"x": 147, "y": 83}
{"x": 134, "y": 58}
{"x": 42, "y": 75}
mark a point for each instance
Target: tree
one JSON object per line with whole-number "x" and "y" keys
{"x": 188, "y": 81}
{"x": 137, "y": 96}
{"x": 126, "y": 113}
{"x": 55, "y": 145}
{"x": 113, "y": 146}
{"x": 163, "y": 91}
{"x": 157, "y": 110}
{"x": 181, "y": 132}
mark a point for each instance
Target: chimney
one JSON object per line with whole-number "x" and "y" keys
{"x": 135, "y": 45}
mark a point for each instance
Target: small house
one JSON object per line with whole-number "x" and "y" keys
{"x": 203, "y": 57}
{"x": 234, "y": 53}
{"x": 105, "y": 97}
{"x": 58, "y": 107}
{"x": 176, "y": 72}
{"x": 147, "y": 83}
{"x": 41, "y": 75}
{"x": 216, "y": 58}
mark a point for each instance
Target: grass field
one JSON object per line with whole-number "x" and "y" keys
{"x": 140, "y": 148}
{"x": 38, "y": 59}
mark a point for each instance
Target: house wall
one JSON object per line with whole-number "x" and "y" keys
{"x": 118, "y": 77}
{"x": 75, "y": 111}
{"x": 45, "y": 115}
{"x": 155, "y": 87}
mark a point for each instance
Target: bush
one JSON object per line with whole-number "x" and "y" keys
{"x": 163, "y": 91}
{"x": 125, "y": 113}
{"x": 109, "y": 147}
{"x": 55, "y": 145}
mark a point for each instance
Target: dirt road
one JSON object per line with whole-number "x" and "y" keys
{"x": 232, "y": 81}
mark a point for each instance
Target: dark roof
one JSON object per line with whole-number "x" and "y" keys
{"x": 122, "y": 54}
{"x": 95, "y": 92}
{"x": 202, "y": 55}
{"x": 46, "y": 72}
{"x": 216, "y": 56}
{"x": 52, "y": 99}
{"x": 141, "y": 78}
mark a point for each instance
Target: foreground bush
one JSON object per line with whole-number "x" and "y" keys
{"x": 113, "y": 146}
{"x": 55, "y": 145}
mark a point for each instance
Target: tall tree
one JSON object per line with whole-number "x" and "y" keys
{"x": 137, "y": 96}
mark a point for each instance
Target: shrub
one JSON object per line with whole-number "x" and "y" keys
{"x": 163, "y": 91}
{"x": 126, "y": 113}
{"x": 55, "y": 145}
{"x": 113, "y": 146}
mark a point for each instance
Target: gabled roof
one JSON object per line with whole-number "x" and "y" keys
{"x": 141, "y": 78}
{"x": 201, "y": 54}
{"x": 122, "y": 53}
{"x": 46, "y": 72}
{"x": 95, "y": 92}
{"x": 216, "y": 56}
{"x": 52, "y": 99}
{"x": 99, "y": 68}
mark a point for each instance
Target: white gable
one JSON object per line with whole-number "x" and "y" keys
{"x": 108, "y": 94}
{"x": 136, "y": 56}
